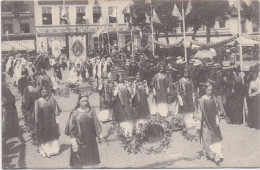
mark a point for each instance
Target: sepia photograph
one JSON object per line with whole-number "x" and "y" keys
{"x": 130, "y": 84}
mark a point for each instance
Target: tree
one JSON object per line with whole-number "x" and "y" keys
{"x": 206, "y": 13}
{"x": 251, "y": 12}
{"x": 163, "y": 10}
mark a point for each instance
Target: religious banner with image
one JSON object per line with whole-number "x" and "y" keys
{"x": 77, "y": 47}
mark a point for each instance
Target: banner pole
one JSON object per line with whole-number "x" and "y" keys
{"x": 184, "y": 34}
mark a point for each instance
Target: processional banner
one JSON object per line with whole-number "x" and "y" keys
{"x": 77, "y": 48}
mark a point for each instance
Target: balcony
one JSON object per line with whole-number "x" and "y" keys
{"x": 69, "y": 29}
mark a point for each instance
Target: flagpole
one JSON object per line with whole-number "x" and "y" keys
{"x": 132, "y": 44}
{"x": 240, "y": 36}
{"x": 117, "y": 33}
{"x": 152, "y": 28}
{"x": 184, "y": 34}
{"x": 240, "y": 51}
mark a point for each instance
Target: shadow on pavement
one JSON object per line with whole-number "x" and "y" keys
{"x": 171, "y": 162}
{"x": 64, "y": 147}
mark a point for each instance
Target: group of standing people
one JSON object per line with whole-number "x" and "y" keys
{"x": 201, "y": 93}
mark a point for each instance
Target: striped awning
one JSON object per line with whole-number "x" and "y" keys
{"x": 18, "y": 45}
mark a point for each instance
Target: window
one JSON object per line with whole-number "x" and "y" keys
{"x": 96, "y": 42}
{"x": 222, "y": 24}
{"x": 46, "y": 16}
{"x": 7, "y": 6}
{"x": 80, "y": 14}
{"x": 127, "y": 18}
{"x": 112, "y": 13}
{"x": 96, "y": 13}
{"x": 25, "y": 27}
{"x": 8, "y": 27}
{"x": 65, "y": 18}
{"x": 255, "y": 27}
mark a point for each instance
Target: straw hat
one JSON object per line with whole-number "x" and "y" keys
{"x": 246, "y": 68}
{"x": 197, "y": 62}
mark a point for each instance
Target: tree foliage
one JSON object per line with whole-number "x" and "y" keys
{"x": 206, "y": 13}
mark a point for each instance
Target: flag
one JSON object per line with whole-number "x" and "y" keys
{"x": 63, "y": 13}
{"x": 126, "y": 9}
{"x": 112, "y": 11}
{"x": 188, "y": 8}
{"x": 155, "y": 17}
{"x": 248, "y": 2}
{"x": 176, "y": 12}
{"x": 147, "y": 20}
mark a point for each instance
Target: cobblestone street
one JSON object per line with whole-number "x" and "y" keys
{"x": 240, "y": 145}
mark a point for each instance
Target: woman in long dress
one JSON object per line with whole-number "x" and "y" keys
{"x": 23, "y": 82}
{"x": 254, "y": 100}
{"x": 140, "y": 95}
{"x": 186, "y": 99}
{"x": 83, "y": 128}
{"x": 210, "y": 134}
{"x": 31, "y": 93}
{"x": 105, "y": 99}
{"x": 46, "y": 123}
{"x": 122, "y": 108}
{"x": 56, "y": 68}
{"x": 160, "y": 86}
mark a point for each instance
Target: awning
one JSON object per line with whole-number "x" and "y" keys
{"x": 21, "y": 45}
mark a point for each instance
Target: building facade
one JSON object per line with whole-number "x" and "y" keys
{"x": 71, "y": 24}
{"x": 18, "y": 26}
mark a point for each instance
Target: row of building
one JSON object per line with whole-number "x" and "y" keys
{"x": 50, "y": 25}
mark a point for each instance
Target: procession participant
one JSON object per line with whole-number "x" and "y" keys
{"x": 31, "y": 93}
{"x": 210, "y": 134}
{"x": 11, "y": 123}
{"x": 74, "y": 75}
{"x": 9, "y": 66}
{"x": 254, "y": 100}
{"x": 22, "y": 82}
{"x": 46, "y": 123}
{"x": 238, "y": 99}
{"x": 172, "y": 91}
{"x": 186, "y": 98}
{"x": 31, "y": 69}
{"x": 17, "y": 71}
{"x": 55, "y": 82}
{"x": 140, "y": 97}
{"x": 160, "y": 86}
{"x": 228, "y": 89}
{"x": 56, "y": 68}
{"x": 83, "y": 128}
{"x": 105, "y": 98}
{"x": 63, "y": 61}
{"x": 89, "y": 67}
{"x": 122, "y": 108}
{"x": 108, "y": 65}
{"x": 84, "y": 74}
{"x": 217, "y": 77}
{"x": 44, "y": 80}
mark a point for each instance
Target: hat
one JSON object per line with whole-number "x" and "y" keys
{"x": 210, "y": 64}
{"x": 197, "y": 62}
{"x": 246, "y": 68}
{"x": 85, "y": 89}
{"x": 216, "y": 65}
{"x": 192, "y": 60}
{"x": 179, "y": 57}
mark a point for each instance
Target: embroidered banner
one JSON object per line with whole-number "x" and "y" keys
{"x": 77, "y": 47}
